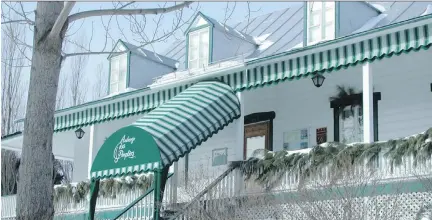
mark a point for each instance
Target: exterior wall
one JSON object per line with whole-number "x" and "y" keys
{"x": 353, "y": 15}
{"x": 200, "y": 159}
{"x": 406, "y": 97}
{"x": 142, "y": 71}
{"x": 298, "y": 104}
{"x": 82, "y": 147}
{"x": 226, "y": 46}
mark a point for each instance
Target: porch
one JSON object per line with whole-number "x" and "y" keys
{"x": 312, "y": 110}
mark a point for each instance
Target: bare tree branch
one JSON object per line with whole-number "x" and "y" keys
{"x": 17, "y": 21}
{"x": 60, "y": 22}
{"x": 105, "y": 12}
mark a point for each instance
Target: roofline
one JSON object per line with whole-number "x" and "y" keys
{"x": 118, "y": 41}
{"x": 144, "y": 57}
{"x": 341, "y": 39}
{"x": 10, "y": 136}
{"x": 369, "y": 4}
{"x": 197, "y": 14}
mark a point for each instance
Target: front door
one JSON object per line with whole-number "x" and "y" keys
{"x": 256, "y": 138}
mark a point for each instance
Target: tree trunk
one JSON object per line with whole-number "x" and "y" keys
{"x": 35, "y": 185}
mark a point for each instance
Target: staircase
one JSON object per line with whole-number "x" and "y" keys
{"x": 212, "y": 197}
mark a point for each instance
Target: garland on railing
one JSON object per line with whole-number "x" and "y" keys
{"x": 336, "y": 155}
{"x": 108, "y": 188}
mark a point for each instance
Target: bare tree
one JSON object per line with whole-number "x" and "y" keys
{"x": 35, "y": 186}
{"x": 9, "y": 171}
{"x": 101, "y": 84}
{"x": 13, "y": 62}
{"x": 77, "y": 83}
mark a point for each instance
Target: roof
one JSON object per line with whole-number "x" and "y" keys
{"x": 361, "y": 47}
{"x": 153, "y": 56}
{"x": 282, "y": 30}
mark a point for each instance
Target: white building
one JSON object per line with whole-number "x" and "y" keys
{"x": 380, "y": 50}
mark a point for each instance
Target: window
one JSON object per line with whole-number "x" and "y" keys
{"x": 348, "y": 118}
{"x": 118, "y": 73}
{"x": 351, "y": 124}
{"x": 198, "y": 48}
{"x": 321, "y": 21}
{"x": 258, "y": 134}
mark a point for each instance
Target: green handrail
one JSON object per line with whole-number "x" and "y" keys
{"x": 151, "y": 189}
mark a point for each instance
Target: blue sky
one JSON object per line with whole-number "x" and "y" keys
{"x": 93, "y": 28}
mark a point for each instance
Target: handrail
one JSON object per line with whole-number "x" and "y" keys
{"x": 211, "y": 185}
{"x": 151, "y": 189}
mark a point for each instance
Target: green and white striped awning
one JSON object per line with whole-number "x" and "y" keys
{"x": 168, "y": 132}
{"x": 190, "y": 118}
{"x": 394, "y": 39}
{"x": 315, "y": 59}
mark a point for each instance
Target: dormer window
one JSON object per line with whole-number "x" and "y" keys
{"x": 118, "y": 73}
{"x": 198, "y": 48}
{"x": 320, "y": 21}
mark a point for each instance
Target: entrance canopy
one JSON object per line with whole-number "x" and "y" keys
{"x": 169, "y": 132}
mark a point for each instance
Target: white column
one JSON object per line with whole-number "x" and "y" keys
{"x": 238, "y": 178}
{"x": 240, "y": 130}
{"x": 368, "y": 132}
{"x": 91, "y": 147}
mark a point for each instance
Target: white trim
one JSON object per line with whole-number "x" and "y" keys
{"x": 368, "y": 132}
{"x": 91, "y": 147}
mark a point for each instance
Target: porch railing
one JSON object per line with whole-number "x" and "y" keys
{"x": 66, "y": 205}
{"x": 229, "y": 184}
{"x": 222, "y": 187}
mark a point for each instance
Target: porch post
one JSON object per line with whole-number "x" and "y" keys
{"x": 91, "y": 147}
{"x": 94, "y": 189}
{"x": 368, "y": 105}
{"x": 157, "y": 195}
{"x": 239, "y": 148}
{"x": 240, "y": 130}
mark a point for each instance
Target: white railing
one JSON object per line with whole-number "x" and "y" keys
{"x": 215, "y": 66}
{"x": 230, "y": 185}
{"x": 66, "y": 205}
{"x": 383, "y": 171}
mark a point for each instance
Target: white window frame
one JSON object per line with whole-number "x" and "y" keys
{"x": 322, "y": 24}
{"x": 200, "y": 60}
{"x": 116, "y": 83}
{"x": 355, "y": 125}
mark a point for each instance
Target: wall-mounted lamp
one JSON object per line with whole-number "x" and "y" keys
{"x": 79, "y": 133}
{"x": 318, "y": 80}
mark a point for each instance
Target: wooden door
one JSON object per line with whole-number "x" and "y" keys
{"x": 256, "y": 136}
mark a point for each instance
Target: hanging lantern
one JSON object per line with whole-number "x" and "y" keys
{"x": 318, "y": 80}
{"x": 79, "y": 133}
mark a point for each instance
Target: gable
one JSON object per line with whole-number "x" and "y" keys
{"x": 199, "y": 21}
{"x": 119, "y": 47}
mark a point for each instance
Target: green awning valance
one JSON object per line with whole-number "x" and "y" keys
{"x": 168, "y": 132}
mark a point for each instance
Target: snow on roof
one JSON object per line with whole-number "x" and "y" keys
{"x": 229, "y": 30}
{"x": 427, "y": 11}
{"x": 151, "y": 55}
{"x": 371, "y": 23}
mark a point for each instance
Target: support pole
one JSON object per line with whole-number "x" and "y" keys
{"x": 157, "y": 195}
{"x": 94, "y": 189}
{"x": 91, "y": 147}
{"x": 238, "y": 178}
{"x": 368, "y": 131}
